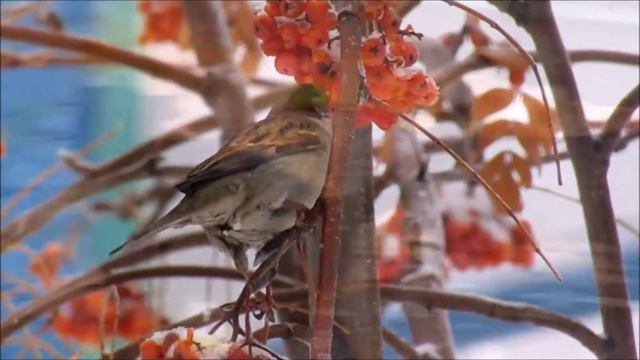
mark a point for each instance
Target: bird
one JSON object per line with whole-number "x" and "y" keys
{"x": 254, "y": 187}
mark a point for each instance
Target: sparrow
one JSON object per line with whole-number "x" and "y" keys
{"x": 254, "y": 187}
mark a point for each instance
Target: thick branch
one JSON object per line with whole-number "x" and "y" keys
{"x": 474, "y": 62}
{"x": 590, "y": 164}
{"x": 496, "y": 309}
{"x": 342, "y": 120}
{"x": 104, "y": 50}
{"x": 225, "y": 90}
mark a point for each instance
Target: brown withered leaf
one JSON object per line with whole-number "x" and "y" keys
{"x": 492, "y": 132}
{"x": 499, "y": 173}
{"x": 522, "y": 167}
{"x": 538, "y": 112}
{"x": 490, "y": 102}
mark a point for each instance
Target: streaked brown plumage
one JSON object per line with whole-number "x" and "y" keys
{"x": 254, "y": 186}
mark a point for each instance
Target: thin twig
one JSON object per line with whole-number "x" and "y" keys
{"x": 635, "y": 231}
{"x": 11, "y": 14}
{"x": 46, "y": 173}
{"x": 619, "y": 118}
{"x": 400, "y": 345}
{"x": 532, "y": 64}
{"x": 488, "y": 187}
{"x": 474, "y": 62}
{"x": 104, "y": 50}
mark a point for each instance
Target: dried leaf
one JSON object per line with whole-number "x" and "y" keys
{"x": 498, "y": 172}
{"x": 490, "y": 102}
{"x": 522, "y": 167}
{"x": 538, "y": 112}
{"x": 492, "y": 132}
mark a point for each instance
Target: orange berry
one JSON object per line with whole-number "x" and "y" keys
{"x": 373, "y": 53}
{"x": 272, "y": 8}
{"x": 390, "y": 21}
{"x": 272, "y": 46}
{"x": 405, "y": 50}
{"x": 287, "y": 62}
{"x": 373, "y": 10}
{"x": 290, "y": 35}
{"x": 314, "y": 37}
{"x": 150, "y": 350}
{"x": 292, "y": 8}
{"x": 328, "y": 22}
{"x": 320, "y": 55}
{"x": 265, "y": 26}
{"x": 317, "y": 10}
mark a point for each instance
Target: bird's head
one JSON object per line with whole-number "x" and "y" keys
{"x": 304, "y": 98}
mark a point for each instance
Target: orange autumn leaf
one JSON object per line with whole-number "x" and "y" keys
{"x": 499, "y": 171}
{"x": 538, "y": 114}
{"x": 163, "y": 21}
{"x": 490, "y": 102}
{"x": 46, "y": 264}
{"x": 492, "y": 132}
{"x": 242, "y": 33}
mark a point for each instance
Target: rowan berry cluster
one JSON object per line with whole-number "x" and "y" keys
{"x": 470, "y": 245}
{"x": 299, "y": 34}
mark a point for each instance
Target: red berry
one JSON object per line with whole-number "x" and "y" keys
{"x": 287, "y": 62}
{"x": 264, "y": 25}
{"x": 317, "y": 10}
{"x": 290, "y": 35}
{"x": 273, "y": 9}
{"x": 292, "y": 8}
{"x": 314, "y": 37}
{"x": 373, "y": 10}
{"x": 390, "y": 21}
{"x": 373, "y": 53}
{"x": 272, "y": 46}
{"x": 405, "y": 50}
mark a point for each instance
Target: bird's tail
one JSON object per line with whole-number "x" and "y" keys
{"x": 173, "y": 218}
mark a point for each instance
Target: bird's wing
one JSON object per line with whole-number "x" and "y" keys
{"x": 248, "y": 151}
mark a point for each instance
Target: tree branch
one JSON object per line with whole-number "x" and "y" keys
{"x": 618, "y": 119}
{"x": 104, "y": 50}
{"x": 496, "y": 309}
{"x": 131, "y": 165}
{"x": 475, "y": 62}
{"x": 342, "y": 119}
{"x": 590, "y": 164}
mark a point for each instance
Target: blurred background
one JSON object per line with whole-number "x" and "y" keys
{"x": 44, "y": 110}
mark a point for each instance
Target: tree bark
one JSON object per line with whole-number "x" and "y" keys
{"x": 590, "y": 165}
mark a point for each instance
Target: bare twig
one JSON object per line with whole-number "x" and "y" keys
{"x": 10, "y": 59}
{"x": 496, "y": 309}
{"x": 20, "y": 227}
{"x": 532, "y": 64}
{"x": 474, "y": 62}
{"x": 12, "y": 13}
{"x": 104, "y": 50}
{"x": 634, "y": 230}
{"x": 46, "y": 173}
{"x": 400, "y": 345}
{"x": 619, "y": 118}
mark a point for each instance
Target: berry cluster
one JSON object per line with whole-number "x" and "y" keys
{"x": 80, "y": 318}
{"x": 298, "y": 33}
{"x": 470, "y": 245}
{"x": 171, "y": 347}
